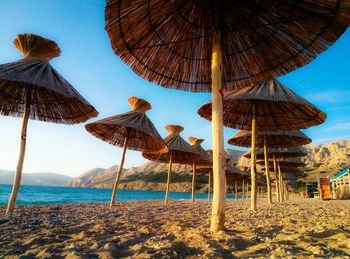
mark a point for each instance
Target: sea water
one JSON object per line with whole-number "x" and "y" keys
{"x": 39, "y": 195}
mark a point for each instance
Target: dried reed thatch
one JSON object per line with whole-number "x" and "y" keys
{"x": 276, "y": 108}
{"x": 181, "y": 151}
{"x": 203, "y": 45}
{"x": 170, "y": 42}
{"x": 32, "y": 89}
{"x": 285, "y": 163}
{"x": 279, "y": 152}
{"x": 243, "y": 138}
{"x": 289, "y": 169}
{"x": 135, "y": 124}
{"x": 289, "y": 176}
{"x": 204, "y": 160}
{"x": 133, "y": 130}
{"x": 205, "y": 157}
{"x": 33, "y": 80}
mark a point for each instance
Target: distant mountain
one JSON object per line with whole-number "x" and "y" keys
{"x": 104, "y": 178}
{"x": 46, "y": 179}
{"x": 98, "y": 178}
{"x": 324, "y": 159}
{"x": 321, "y": 159}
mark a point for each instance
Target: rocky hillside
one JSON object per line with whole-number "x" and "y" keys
{"x": 150, "y": 173}
{"x": 326, "y": 159}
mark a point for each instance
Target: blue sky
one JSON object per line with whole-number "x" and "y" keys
{"x": 88, "y": 62}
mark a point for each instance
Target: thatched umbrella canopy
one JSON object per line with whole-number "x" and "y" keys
{"x": 288, "y": 163}
{"x": 268, "y": 106}
{"x": 243, "y": 138}
{"x": 269, "y": 139}
{"x": 133, "y": 130}
{"x": 179, "y": 152}
{"x": 205, "y": 45}
{"x": 289, "y": 169}
{"x": 279, "y": 166}
{"x": 32, "y": 89}
{"x": 204, "y": 160}
{"x": 203, "y": 170}
{"x": 277, "y": 108}
{"x": 279, "y": 152}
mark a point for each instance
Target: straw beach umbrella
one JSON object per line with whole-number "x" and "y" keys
{"x": 279, "y": 152}
{"x": 283, "y": 163}
{"x": 205, "y": 45}
{"x": 204, "y": 160}
{"x": 203, "y": 170}
{"x": 268, "y": 106}
{"x": 133, "y": 130}
{"x": 268, "y": 139}
{"x": 273, "y": 139}
{"x": 179, "y": 152}
{"x": 32, "y": 89}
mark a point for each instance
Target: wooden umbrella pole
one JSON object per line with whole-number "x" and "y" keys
{"x": 280, "y": 182}
{"x": 268, "y": 183}
{"x": 243, "y": 190}
{"x": 209, "y": 189}
{"x": 120, "y": 170}
{"x": 287, "y": 191}
{"x": 194, "y": 182}
{"x": 253, "y": 192}
{"x": 276, "y": 180}
{"x": 18, "y": 175}
{"x": 236, "y": 190}
{"x": 169, "y": 178}
{"x": 219, "y": 192}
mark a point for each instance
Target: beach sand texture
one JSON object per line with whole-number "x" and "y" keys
{"x": 149, "y": 229}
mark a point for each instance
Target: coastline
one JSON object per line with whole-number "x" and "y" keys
{"x": 149, "y": 229}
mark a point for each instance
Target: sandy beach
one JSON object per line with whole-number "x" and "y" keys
{"x": 149, "y": 229}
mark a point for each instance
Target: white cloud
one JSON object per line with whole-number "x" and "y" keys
{"x": 338, "y": 126}
{"x": 330, "y": 96}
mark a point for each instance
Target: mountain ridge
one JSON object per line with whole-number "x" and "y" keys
{"x": 41, "y": 178}
{"x": 324, "y": 159}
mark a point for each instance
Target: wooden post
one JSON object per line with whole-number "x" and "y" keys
{"x": 169, "y": 178}
{"x": 268, "y": 183}
{"x": 18, "y": 175}
{"x": 194, "y": 182}
{"x": 209, "y": 183}
{"x": 280, "y": 182}
{"x": 119, "y": 173}
{"x": 219, "y": 192}
{"x": 243, "y": 191}
{"x": 253, "y": 193}
{"x": 236, "y": 194}
{"x": 276, "y": 180}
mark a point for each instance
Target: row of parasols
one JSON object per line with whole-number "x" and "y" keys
{"x": 32, "y": 88}
{"x": 278, "y": 149}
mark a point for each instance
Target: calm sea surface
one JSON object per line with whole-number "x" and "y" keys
{"x": 31, "y": 195}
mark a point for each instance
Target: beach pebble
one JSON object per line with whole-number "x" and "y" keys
{"x": 107, "y": 246}
{"x": 78, "y": 249}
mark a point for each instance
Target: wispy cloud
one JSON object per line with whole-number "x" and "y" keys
{"x": 330, "y": 96}
{"x": 338, "y": 126}
{"x": 330, "y": 140}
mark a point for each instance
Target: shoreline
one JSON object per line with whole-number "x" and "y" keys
{"x": 149, "y": 229}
